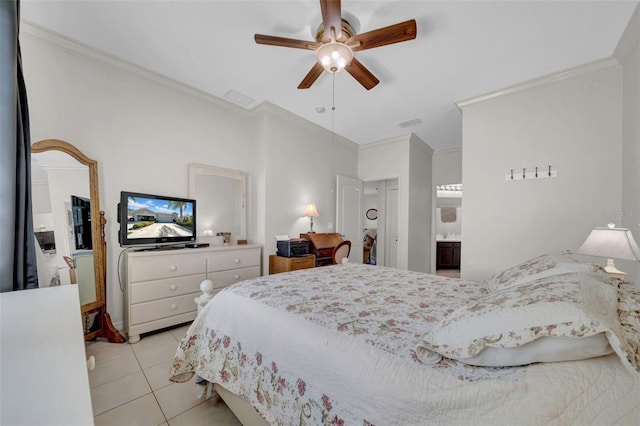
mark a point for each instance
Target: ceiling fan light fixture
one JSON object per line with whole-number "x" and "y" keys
{"x": 334, "y": 56}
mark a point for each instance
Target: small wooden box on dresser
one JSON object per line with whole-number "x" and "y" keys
{"x": 161, "y": 285}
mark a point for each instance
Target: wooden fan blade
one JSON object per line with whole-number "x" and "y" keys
{"x": 382, "y": 36}
{"x": 331, "y": 16}
{"x": 286, "y": 42}
{"x": 362, "y": 74}
{"x": 311, "y": 77}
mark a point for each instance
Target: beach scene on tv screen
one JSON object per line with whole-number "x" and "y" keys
{"x": 157, "y": 218}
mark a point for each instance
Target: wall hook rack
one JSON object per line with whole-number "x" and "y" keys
{"x": 530, "y": 173}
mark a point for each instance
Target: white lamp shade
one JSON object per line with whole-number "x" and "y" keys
{"x": 617, "y": 243}
{"x": 334, "y": 56}
{"x": 311, "y": 211}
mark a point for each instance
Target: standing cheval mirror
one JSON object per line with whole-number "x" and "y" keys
{"x": 69, "y": 230}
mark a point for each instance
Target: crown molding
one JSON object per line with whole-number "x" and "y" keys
{"x": 542, "y": 81}
{"x": 53, "y": 39}
{"x": 415, "y": 141}
{"x": 447, "y": 150}
{"x": 630, "y": 37}
{"x": 385, "y": 142}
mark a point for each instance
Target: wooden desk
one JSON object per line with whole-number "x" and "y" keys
{"x": 279, "y": 264}
{"x": 322, "y": 246}
{"x": 44, "y": 366}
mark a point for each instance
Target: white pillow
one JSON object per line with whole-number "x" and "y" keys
{"x": 565, "y": 308}
{"x": 545, "y": 265}
{"x": 544, "y": 349}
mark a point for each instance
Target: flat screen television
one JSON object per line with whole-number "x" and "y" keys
{"x": 148, "y": 220}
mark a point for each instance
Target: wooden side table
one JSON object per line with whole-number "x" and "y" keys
{"x": 279, "y": 264}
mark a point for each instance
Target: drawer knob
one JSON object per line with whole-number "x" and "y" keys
{"x": 173, "y": 268}
{"x": 173, "y": 306}
{"x": 236, "y": 260}
{"x": 237, "y": 277}
{"x": 173, "y": 287}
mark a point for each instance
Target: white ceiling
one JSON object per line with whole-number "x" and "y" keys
{"x": 463, "y": 49}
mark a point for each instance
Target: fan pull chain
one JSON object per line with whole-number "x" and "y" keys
{"x": 333, "y": 130}
{"x": 333, "y": 97}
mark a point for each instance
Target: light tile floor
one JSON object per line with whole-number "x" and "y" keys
{"x": 130, "y": 386}
{"x": 451, "y": 273}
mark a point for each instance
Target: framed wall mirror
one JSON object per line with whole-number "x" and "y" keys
{"x": 69, "y": 228}
{"x": 221, "y": 196}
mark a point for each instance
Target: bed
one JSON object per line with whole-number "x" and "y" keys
{"x": 549, "y": 341}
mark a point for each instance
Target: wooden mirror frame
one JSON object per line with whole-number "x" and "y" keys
{"x": 99, "y": 306}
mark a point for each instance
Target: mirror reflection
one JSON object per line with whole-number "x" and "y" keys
{"x": 62, "y": 222}
{"x": 221, "y": 201}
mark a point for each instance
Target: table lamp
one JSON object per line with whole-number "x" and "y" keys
{"x": 311, "y": 212}
{"x": 611, "y": 242}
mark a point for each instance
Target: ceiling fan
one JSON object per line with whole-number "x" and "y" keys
{"x": 336, "y": 41}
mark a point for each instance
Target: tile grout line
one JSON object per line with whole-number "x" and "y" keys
{"x": 152, "y": 391}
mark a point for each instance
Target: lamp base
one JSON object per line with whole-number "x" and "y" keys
{"x": 613, "y": 271}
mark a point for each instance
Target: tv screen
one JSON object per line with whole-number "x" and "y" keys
{"x": 147, "y": 219}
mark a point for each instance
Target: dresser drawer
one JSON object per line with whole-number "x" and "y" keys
{"x": 157, "y": 309}
{"x": 152, "y": 290}
{"x": 159, "y": 267}
{"x": 305, "y": 262}
{"x": 233, "y": 259}
{"x": 225, "y": 278}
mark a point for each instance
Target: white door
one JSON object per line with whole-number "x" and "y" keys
{"x": 349, "y": 202}
{"x": 391, "y": 252}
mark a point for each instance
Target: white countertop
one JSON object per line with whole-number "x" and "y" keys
{"x": 43, "y": 366}
{"x": 454, "y": 239}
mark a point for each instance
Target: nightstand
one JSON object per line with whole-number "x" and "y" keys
{"x": 279, "y": 264}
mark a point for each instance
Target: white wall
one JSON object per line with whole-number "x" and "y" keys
{"x": 144, "y": 130}
{"x": 628, "y": 54}
{"x": 408, "y": 159}
{"x": 389, "y": 159}
{"x": 572, "y": 123}
{"x": 420, "y": 205}
{"x": 447, "y": 166}
{"x": 301, "y": 163}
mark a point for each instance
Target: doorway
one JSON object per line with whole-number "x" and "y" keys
{"x": 448, "y": 230}
{"x": 380, "y": 234}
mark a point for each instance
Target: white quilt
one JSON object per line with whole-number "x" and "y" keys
{"x": 336, "y": 345}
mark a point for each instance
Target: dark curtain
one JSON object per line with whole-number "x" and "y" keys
{"x": 17, "y": 254}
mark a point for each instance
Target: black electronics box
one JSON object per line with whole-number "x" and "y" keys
{"x": 293, "y": 248}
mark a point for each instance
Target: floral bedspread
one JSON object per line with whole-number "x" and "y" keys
{"x": 390, "y": 310}
{"x": 336, "y": 345}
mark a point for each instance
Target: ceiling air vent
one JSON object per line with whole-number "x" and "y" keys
{"x": 410, "y": 123}
{"x": 238, "y": 98}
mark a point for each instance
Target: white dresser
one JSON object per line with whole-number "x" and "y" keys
{"x": 162, "y": 285}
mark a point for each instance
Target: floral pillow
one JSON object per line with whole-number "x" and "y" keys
{"x": 629, "y": 315}
{"x": 564, "y": 309}
{"x": 545, "y": 265}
